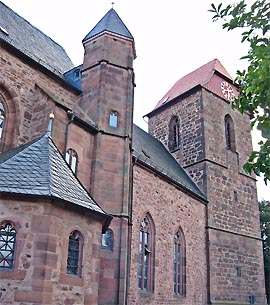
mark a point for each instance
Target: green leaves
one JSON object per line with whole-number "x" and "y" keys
{"x": 254, "y": 83}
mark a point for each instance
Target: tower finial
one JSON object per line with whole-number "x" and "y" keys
{"x": 112, "y": 4}
{"x": 49, "y": 128}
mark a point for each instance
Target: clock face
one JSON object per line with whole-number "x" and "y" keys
{"x": 227, "y": 91}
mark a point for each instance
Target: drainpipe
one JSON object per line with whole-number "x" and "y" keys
{"x": 71, "y": 117}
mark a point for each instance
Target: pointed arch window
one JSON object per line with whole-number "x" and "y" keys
{"x": 74, "y": 259}
{"x": 229, "y": 133}
{"x": 179, "y": 263}
{"x": 113, "y": 119}
{"x": 146, "y": 255}
{"x": 7, "y": 245}
{"x": 174, "y": 133}
{"x": 72, "y": 159}
{"x": 107, "y": 240}
{"x": 2, "y": 119}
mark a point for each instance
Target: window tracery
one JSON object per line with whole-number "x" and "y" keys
{"x": 7, "y": 245}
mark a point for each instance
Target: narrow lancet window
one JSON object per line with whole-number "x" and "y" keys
{"x": 74, "y": 253}
{"x": 72, "y": 159}
{"x": 146, "y": 253}
{"x": 179, "y": 269}
{"x": 229, "y": 133}
{"x": 174, "y": 134}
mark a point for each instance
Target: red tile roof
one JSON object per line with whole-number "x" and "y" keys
{"x": 202, "y": 76}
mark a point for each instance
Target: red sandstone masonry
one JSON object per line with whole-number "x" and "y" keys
{"x": 169, "y": 208}
{"x": 37, "y": 276}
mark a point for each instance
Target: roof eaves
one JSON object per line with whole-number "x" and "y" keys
{"x": 172, "y": 101}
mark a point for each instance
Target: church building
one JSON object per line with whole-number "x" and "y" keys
{"x": 95, "y": 210}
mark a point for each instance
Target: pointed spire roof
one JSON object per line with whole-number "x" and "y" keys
{"x": 38, "y": 168}
{"x": 202, "y": 76}
{"x": 111, "y": 22}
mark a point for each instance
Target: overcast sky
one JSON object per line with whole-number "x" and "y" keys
{"x": 172, "y": 38}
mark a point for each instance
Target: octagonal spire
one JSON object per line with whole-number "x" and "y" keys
{"x": 111, "y": 22}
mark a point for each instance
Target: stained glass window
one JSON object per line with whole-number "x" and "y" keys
{"x": 7, "y": 246}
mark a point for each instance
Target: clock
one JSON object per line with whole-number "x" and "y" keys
{"x": 227, "y": 91}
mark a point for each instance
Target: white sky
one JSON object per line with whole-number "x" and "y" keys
{"x": 172, "y": 38}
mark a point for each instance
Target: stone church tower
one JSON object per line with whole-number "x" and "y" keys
{"x": 195, "y": 122}
{"x": 107, "y": 83}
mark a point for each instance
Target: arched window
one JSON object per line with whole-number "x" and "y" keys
{"x": 72, "y": 159}
{"x": 2, "y": 119}
{"x": 174, "y": 133}
{"x": 74, "y": 260}
{"x": 113, "y": 119}
{"x": 146, "y": 255}
{"x": 7, "y": 245}
{"x": 229, "y": 133}
{"x": 179, "y": 264}
{"x": 107, "y": 240}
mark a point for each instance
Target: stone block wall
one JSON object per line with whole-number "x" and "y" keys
{"x": 169, "y": 208}
{"x": 39, "y": 274}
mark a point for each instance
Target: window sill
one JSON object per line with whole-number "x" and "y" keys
{"x": 70, "y": 279}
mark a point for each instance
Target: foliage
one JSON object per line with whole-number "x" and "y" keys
{"x": 264, "y": 206}
{"x": 254, "y": 83}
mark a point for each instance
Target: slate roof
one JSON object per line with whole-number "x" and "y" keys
{"x": 153, "y": 154}
{"x": 38, "y": 168}
{"x": 202, "y": 76}
{"x": 111, "y": 22}
{"x": 22, "y": 35}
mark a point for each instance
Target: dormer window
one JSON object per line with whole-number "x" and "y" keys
{"x": 113, "y": 119}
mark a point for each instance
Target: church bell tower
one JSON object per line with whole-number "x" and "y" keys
{"x": 212, "y": 142}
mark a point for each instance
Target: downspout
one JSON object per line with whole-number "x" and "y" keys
{"x": 71, "y": 117}
{"x": 130, "y": 224}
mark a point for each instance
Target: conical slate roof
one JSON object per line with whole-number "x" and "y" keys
{"x": 111, "y": 22}
{"x": 151, "y": 152}
{"x": 38, "y": 168}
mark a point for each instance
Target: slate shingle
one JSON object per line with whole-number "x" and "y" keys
{"x": 38, "y": 168}
{"x": 153, "y": 153}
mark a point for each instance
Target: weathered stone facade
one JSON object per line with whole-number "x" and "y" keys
{"x": 170, "y": 208}
{"x": 232, "y": 210}
{"x": 39, "y": 275}
{"x": 221, "y": 258}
